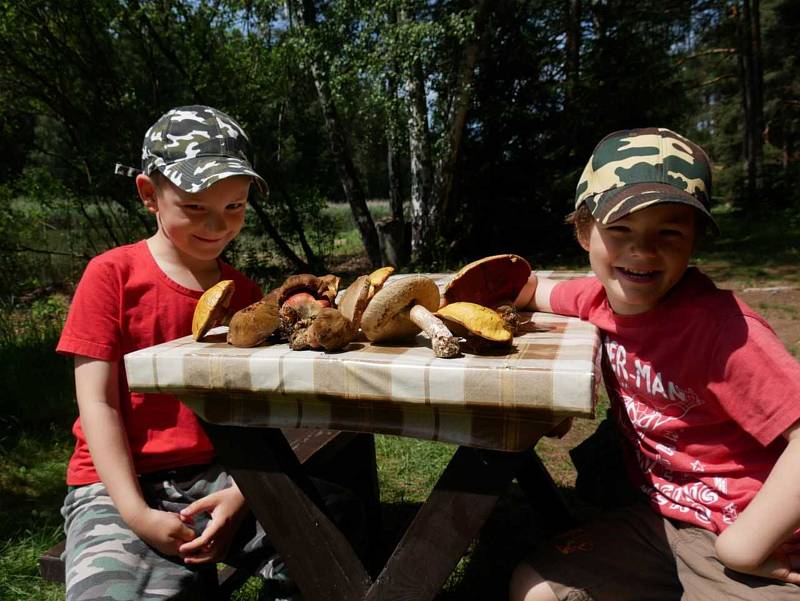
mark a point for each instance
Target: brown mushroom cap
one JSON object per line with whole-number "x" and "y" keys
{"x": 321, "y": 288}
{"x": 212, "y": 307}
{"x": 386, "y": 317}
{"x": 354, "y": 300}
{"x": 330, "y": 330}
{"x": 464, "y": 318}
{"x": 254, "y": 324}
{"x": 490, "y": 281}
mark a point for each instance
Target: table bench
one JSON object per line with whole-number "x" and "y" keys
{"x": 315, "y": 451}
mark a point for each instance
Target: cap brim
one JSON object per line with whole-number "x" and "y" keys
{"x": 198, "y": 173}
{"x": 619, "y": 202}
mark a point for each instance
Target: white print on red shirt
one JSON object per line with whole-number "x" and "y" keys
{"x": 652, "y": 404}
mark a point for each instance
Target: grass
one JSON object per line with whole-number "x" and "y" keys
{"x": 37, "y": 408}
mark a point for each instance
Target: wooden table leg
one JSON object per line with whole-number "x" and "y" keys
{"x": 542, "y": 493}
{"x": 318, "y": 556}
{"x": 450, "y": 518}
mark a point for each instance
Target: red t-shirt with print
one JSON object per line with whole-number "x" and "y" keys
{"x": 701, "y": 388}
{"x": 124, "y": 302}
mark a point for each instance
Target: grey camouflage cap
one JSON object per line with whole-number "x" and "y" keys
{"x": 633, "y": 169}
{"x": 196, "y": 146}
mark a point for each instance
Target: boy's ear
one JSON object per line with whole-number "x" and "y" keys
{"x": 583, "y": 237}
{"x": 147, "y": 190}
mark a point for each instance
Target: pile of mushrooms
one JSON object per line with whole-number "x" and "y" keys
{"x": 475, "y": 313}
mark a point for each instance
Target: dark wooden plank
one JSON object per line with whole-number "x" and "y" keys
{"x": 317, "y": 555}
{"x": 51, "y": 567}
{"x": 543, "y": 494}
{"x": 440, "y": 533}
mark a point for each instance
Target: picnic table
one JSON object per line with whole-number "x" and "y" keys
{"x": 495, "y": 408}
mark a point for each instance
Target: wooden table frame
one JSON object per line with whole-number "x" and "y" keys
{"x": 317, "y": 554}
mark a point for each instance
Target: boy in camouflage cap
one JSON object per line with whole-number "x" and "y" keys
{"x": 148, "y": 508}
{"x": 704, "y": 397}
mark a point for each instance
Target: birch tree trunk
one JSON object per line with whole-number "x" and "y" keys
{"x": 421, "y": 163}
{"x": 340, "y": 150}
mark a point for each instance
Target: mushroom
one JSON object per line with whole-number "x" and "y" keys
{"x": 493, "y": 282}
{"x": 354, "y": 300}
{"x": 356, "y": 297}
{"x": 482, "y": 329}
{"x": 403, "y": 308}
{"x": 254, "y": 324}
{"x": 378, "y": 278}
{"x": 322, "y": 289}
{"x": 212, "y": 308}
{"x": 309, "y": 325}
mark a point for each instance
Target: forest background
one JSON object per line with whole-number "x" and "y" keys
{"x": 421, "y": 133}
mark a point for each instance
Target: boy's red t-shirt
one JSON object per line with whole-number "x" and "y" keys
{"x": 701, "y": 388}
{"x": 124, "y": 302}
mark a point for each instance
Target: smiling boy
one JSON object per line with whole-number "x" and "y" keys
{"x": 705, "y": 397}
{"x": 147, "y": 505}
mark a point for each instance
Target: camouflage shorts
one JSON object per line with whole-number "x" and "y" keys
{"x": 105, "y": 560}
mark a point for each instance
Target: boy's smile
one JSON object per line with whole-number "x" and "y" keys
{"x": 640, "y": 257}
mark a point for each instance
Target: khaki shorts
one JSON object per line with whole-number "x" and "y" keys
{"x": 633, "y": 554}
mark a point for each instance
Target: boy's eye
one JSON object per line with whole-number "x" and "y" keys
{"x": 617, "y": 229}
{"x": 671, "y": 233}
{"x": 193, "y": 207}
{"x": 235, "y": 206}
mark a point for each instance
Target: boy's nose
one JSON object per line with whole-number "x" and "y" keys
{"x": 215, "y": 222}
{"x": 643, "y": 245}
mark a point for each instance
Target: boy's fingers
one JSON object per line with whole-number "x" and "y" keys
{"x": 198, "y": 506}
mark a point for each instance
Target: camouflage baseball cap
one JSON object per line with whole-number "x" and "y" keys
{"x": 196, "y": 146}
{"x": 633, "y": 169}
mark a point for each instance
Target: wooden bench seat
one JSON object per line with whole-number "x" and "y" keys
{"x": 315, "y": 450}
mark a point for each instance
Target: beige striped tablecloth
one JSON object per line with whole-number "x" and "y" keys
{"x": 500, "y": 402}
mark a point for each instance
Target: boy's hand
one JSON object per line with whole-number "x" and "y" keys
{"x": 226, "y": 509}
{"x": 783, "y": 564}
{"x": 162, "y": 530}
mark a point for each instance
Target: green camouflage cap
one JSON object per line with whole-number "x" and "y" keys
{"x": 633, "y": 169}
{"x": 196, "y": 146}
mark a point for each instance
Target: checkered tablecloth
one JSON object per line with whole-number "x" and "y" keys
{"x": 502, "y": 401}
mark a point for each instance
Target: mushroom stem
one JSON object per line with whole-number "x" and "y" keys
{"x": 443, "y": 343}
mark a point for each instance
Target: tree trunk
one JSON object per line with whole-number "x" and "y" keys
{"x": 419, "y": 146}
{"x": 573, "y": 48}
{"x": 751, "y": 74}
{"x": 273, "y": 233}
{"x": 454, "y": 132}
{"x": 340, "y": 150}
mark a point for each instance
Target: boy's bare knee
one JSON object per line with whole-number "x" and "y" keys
{"x": 527, "y": 585}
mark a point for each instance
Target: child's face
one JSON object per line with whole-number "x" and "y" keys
{"x": 641, "y": 256}
{"x": 200, "y": 225}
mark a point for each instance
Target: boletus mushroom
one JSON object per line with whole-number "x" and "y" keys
{"x": 357, "y": 295}
{"x": 309, "y": 325}
{"x": 401, "y": 309}
{"x": 306, "y": 286}
{"x": 212, "y": 308}
{"x": 483, "y": 330}
{"x": 254, "y": 324}
{"x": 493, "y": 282}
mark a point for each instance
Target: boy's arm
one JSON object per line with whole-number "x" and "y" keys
{"x": 96, "y": 390}
{"x": 535, "y": 295}
{"x": 756, "y": 542}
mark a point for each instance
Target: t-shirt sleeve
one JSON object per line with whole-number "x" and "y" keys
{"x": 93, "y": 328}
{"x": 754, "y": 378}
{"x": 575, "y": 298}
